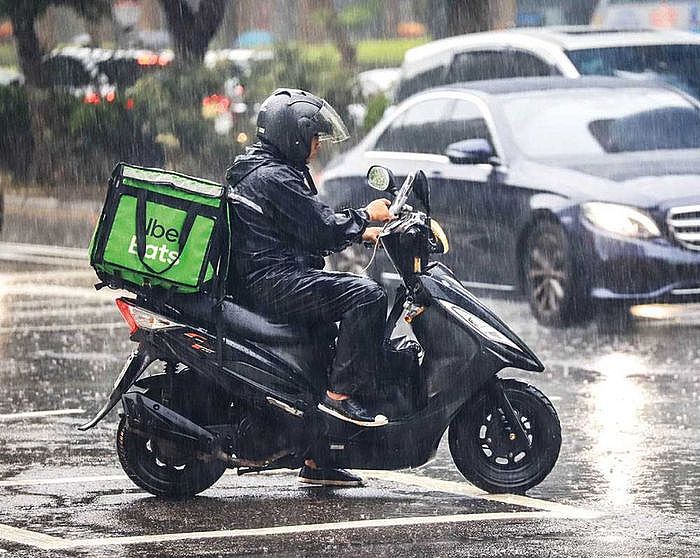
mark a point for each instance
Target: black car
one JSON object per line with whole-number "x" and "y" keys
{"x": 583, "y": 194}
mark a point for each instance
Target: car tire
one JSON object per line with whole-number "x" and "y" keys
{"x": 553, "y": 287}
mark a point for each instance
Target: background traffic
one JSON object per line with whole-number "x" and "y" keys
{"x": 88, "y": 86}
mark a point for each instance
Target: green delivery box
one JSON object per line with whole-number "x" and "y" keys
{"x": 160, "y": 229}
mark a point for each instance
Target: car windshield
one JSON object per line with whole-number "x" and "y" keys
{"x": 594, "y": 121}
{"x": 676, "y": 64}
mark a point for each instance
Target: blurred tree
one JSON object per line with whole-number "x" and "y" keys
{"x": 45, "y": 117}
{"x": 337, "y": 29}
{"x": 192, "y": 24}
{"x": 23, "y": 15}
{"x": 468, "y": 16}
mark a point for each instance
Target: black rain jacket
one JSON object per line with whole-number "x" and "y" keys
{"x": 278, "y": 225}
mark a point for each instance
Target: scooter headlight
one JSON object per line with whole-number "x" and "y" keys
{"x": 477, "y": 324}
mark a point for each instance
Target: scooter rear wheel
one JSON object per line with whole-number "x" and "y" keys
{"x": 485, "y": 455}
{"x": 161, "y": 471}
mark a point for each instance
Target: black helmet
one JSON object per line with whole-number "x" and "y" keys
{"x": 290, "y": 118}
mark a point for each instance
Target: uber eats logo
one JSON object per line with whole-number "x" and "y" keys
{"x": 158, "y": 252}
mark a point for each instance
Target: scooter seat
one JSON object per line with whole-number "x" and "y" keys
{"x": 238, "y": 321}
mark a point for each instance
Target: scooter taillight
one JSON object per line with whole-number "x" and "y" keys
{"x": 138, "y": 318}
{"x": 125, "y": 310}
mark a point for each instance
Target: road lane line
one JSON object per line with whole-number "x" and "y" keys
{"x": 67, "y": 291}
{"x": 41, "y": 260}
{"x": 44, "y": 250}
{"x": 39, "y": 414}
{"x": 63, "y": 312}
{"x": 63, "y": 480}
{"x": 474, "y": 492}
{"x": 307, "y": 528}
{"x": 59, "y": 327}
{"x": 51, "y": 276}
{"x": 30, "y": 538}
{"x": 407, "y": 479}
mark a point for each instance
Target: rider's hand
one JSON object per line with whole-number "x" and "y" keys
{"x": 371, "y": 235}
{"x": 378, "y": 210}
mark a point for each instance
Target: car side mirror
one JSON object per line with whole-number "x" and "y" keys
{"x": 470, "y": 152}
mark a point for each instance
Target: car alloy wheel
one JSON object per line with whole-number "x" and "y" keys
{"x": 550, "y": 282}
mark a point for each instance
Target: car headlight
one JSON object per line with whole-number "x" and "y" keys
{"x": 621, "y": 220}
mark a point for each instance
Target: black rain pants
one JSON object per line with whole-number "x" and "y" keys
{"x": 313, "y": 296}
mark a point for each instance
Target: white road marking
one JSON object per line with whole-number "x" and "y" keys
{"x": 89, "y": 357}
{"x": 65, "y": 311}
{"x": 60, "y": 327}
{"x": 43, "y": 250}
{"x": 546, "y": 510}
{"x": 51, "y": 276}
{"x": 42, "y": 260}
{"x": 305, "y": 528}
{"x": 473, "y": 492}
{"x": 52, "y": 291}
{"x": 62, "y": 480}
{"x": 39, "y": 414}
{"x": 30, "y": 538}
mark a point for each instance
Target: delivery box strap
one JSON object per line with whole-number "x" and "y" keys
{"x": 141, "y": 198}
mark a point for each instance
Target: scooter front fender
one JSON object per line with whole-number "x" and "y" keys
{"x": 134, "y": 366}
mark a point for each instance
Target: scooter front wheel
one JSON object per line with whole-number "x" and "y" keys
{"x": 481, "y": 444}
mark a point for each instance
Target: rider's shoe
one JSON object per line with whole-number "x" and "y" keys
{"x": 328, "y": 477}
{"x": 351, "y": 411}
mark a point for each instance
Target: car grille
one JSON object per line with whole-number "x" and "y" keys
{"x": 684, "y": 225}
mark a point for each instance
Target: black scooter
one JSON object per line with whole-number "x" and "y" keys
{"x": 249, "y": 401}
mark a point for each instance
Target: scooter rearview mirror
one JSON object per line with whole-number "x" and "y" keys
{"x": 421, "y": 189}
{"x": 381, "y": 178}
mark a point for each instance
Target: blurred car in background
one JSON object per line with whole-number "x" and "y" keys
{"x": 581, "y": 194}
{"x": 9, "y": 76}
{"x": 672, "y": 56}
{"x": 372, "y": 83}
{"x": 125, "y": 66}
{"x": 660, "y": 14}
{"x": 96, "y": 75}
{"x": 229, "y": 107}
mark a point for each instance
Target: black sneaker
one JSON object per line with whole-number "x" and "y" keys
{"x": 351, "y": 411}
{"x": 328, "y": 477}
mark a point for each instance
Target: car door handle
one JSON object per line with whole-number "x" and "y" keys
{"x": 435, "y": 173}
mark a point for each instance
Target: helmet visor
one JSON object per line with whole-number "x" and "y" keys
{"x": 331, "y": 126}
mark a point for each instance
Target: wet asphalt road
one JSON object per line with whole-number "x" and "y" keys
{"x": 628, "y": 403}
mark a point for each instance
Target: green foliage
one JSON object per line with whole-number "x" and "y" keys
{"x": 384, "y": 53}
{"x": 320, "y": 74}
{"x": 8, "y": 55}
{"x": 380, "y": 53}
{"x": 360, "y": 14}
{"x": 169, "y": 106}
{"x": 376, "y": 106}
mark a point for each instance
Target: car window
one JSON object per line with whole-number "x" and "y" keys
{"x": 597, "y": 121}
{"x": 496, "y": 64}
{"x": 466, "y": 121}
{"x": 677, "y": 64}
{"x": 419, "y": 82}
{"x": 419, "y": 129}
{"x": 65, "y": 71}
